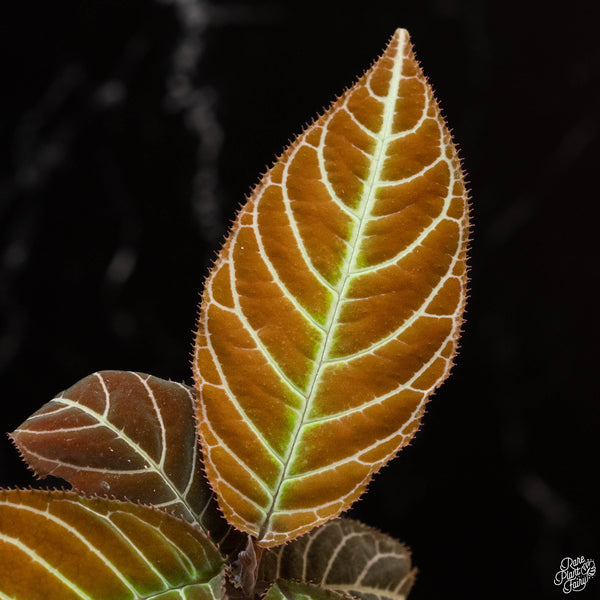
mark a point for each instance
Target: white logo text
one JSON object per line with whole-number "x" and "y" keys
{"x": 574, "y": 573}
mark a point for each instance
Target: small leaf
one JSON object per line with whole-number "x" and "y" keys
{"x": 346, "y": 556}
{"x": 292, "y": 590}
{"x": 126, "y": 434}
{"x": 60, "y": 545}
{"x": 335, "y": 305}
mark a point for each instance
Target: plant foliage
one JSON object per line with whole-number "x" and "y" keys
{"x": 335, "y": 305}
{"x": 330, "y": 316}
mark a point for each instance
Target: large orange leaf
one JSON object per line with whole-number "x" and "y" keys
{"x": 334, "y": 307}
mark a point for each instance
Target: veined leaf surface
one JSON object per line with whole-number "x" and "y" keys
{"x": 335, "y": 305}
{"x": 346, "y": 556}
{"x": 293, "y": 590}
{"x": 124, "y": 434}
{"x": 61, "y": 545}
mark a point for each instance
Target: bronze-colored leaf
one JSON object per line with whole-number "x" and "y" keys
{"x": 346, "y": 556}
{"x": 57, "y": 545}
{"x": 124, "y": 434}
{"x": 335, "y": 305}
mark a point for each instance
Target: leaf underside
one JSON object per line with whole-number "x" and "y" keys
{"x": 61, "y": 545}
{"x": 124, "y": 434}
{"x": 346, "y": 556}
{"x": 334, "y": 307}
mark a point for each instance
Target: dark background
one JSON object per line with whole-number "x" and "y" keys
{"x": 130, "y": 132}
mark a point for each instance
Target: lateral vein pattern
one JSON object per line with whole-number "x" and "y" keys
{"x": 96, "y": 548}
{"x": 334, "y": 308}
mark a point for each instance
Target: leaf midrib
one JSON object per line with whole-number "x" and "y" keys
{"x": 136, "y": 448}
{"x": 348, "y": 268}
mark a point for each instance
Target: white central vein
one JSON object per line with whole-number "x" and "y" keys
{"x": 349, "y": 265}
{"x": 136, "y": 448}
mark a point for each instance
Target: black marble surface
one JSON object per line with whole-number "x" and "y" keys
{"x": 130, "y": 131}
